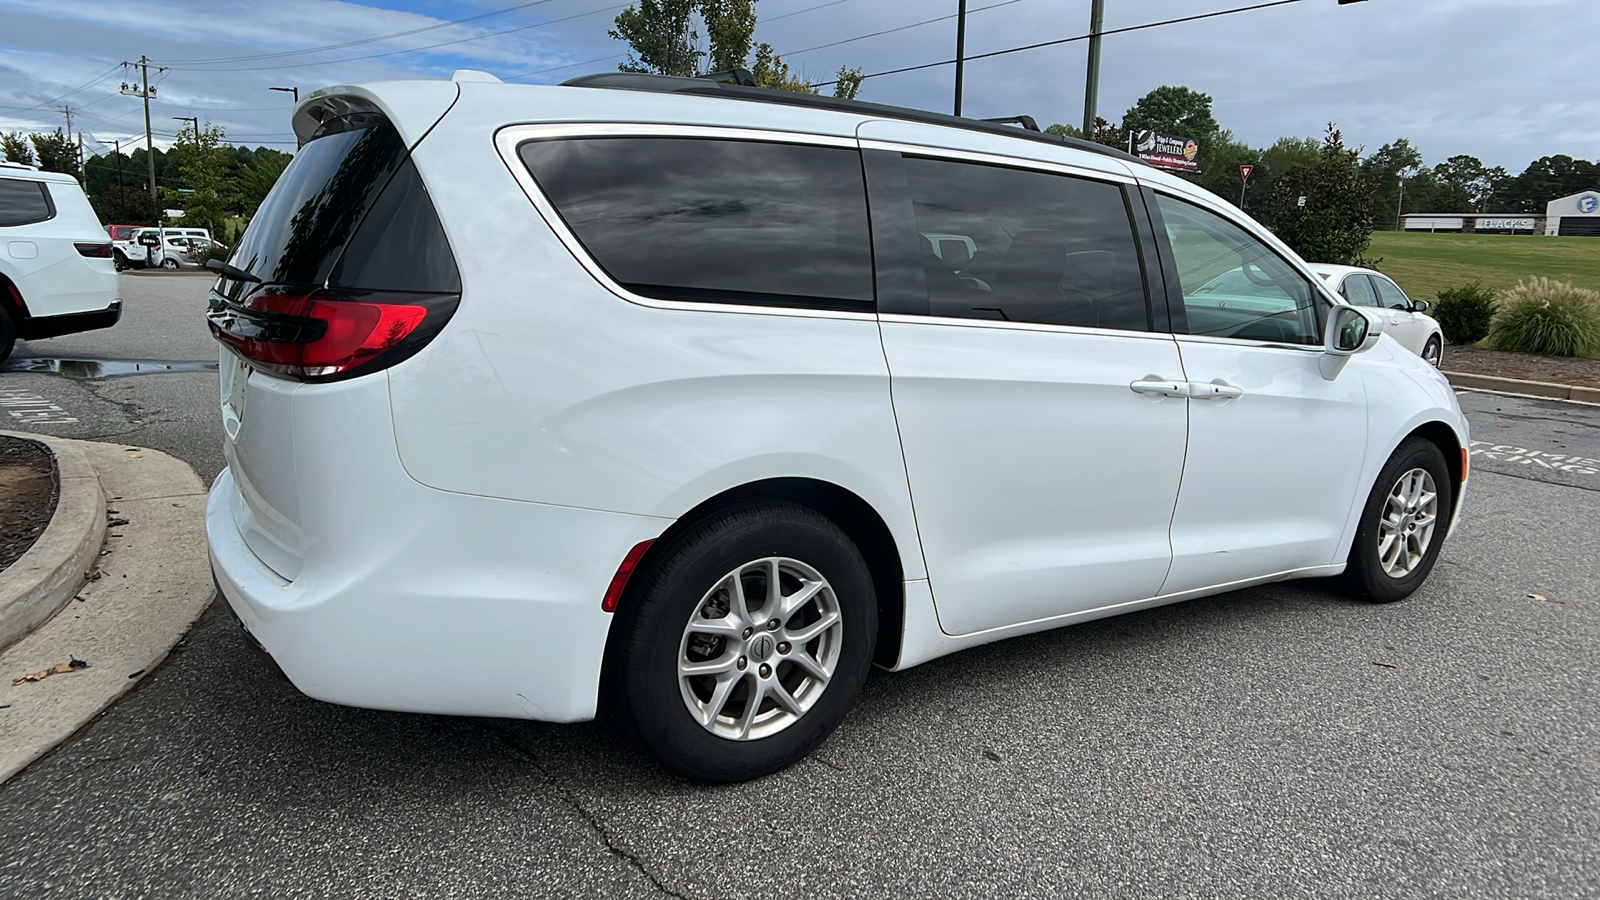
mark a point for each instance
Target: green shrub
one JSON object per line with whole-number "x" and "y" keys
{"x": 1548, "y": 317}
{"x": 1464, "y": 313}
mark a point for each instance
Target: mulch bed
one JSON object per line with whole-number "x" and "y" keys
{"x": 1527, "y": 366}
{"x": 28, "y": 494}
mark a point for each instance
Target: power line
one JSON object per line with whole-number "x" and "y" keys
{"x": 874, "y": 34}
{"x": 1081, "y": 37}
{"x": 476, "y": 37}
{"x": 371, "y": 40}
{"x": 85, "y": 86}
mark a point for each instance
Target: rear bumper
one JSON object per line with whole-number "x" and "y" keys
{"x": 36, "y": 328}
{"x": 465, "y": 606}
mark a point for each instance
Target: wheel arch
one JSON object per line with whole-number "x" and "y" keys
{"x": 11, "y": 299}
{"x": 1449, "y": 443}
{"x": 855, "y": 517}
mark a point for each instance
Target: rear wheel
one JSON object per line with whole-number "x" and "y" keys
{"x": 1403, "y": 524}
{"x": 169, "y": 263}
{"x": 1433, "y": 352}
{"x": 745, "y": 644}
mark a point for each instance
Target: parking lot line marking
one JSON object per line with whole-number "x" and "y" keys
{"x": 1565, "y": 462}
{"x": 32, "y": 408}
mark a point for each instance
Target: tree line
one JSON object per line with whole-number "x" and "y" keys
{"x": 213, "y": 182}
{"x": 1460, "y": 184}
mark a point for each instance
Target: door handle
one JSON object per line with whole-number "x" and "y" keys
{"x": 1213, "y": 390}
{"x": 1164, "y": 388}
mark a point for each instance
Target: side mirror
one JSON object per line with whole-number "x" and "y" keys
{"x": 1420, "y": 305}
{"x": 1351, "y": 330}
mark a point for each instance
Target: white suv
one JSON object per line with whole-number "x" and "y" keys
{"x": 655, "y": 397}
{"x": 56, "y": 272}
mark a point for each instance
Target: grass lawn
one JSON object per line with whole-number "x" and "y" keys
{"x": 1424, "y": 264}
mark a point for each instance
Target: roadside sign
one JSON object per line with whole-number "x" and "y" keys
{"x": 1244, "y": 172}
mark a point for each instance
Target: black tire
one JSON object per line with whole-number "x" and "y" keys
{"x": 8, "y": 335}
{"x": 1433, "y": 352}
{"x": 1365, "y": 575}
{"x": 120, "y": 259}
{"x": 643, "y": 690}
{"x": 169, "y": 263}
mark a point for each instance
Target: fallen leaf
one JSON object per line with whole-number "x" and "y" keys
{"x": 136, "y": 456}
{"x": 1539, "y": 597}
{"x": 177, "y": 504}
{"x": 60, "y": 668}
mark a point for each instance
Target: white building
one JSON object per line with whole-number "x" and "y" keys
{"x": 1577, "y": 214}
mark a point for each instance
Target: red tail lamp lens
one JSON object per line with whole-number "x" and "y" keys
{"x": 94, "y": 250}
{"x": 624, "y": 571}
{"x": 316, "y": 334}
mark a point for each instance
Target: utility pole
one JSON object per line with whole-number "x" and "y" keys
{"x": 289, "y": 90}
{"x": 193, "y": 120}
{"x": 961, "y": 48}
{"x": 1401, "y": 204}
{"x": 1091, "y": 85}
{"x": 66, "y": 110}
{"x": 145, "y": 91}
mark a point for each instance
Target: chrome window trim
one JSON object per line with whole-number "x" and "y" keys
{"x": 996, "y": 159}
{"x": 508, "y": 138}
{"x": 1247, "y": 342}
{"x": 907, "y": 319}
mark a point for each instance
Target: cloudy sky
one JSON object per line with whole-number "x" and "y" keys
{"x": 1504, "y": 80}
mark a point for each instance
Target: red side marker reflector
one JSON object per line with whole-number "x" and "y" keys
{"x": 620, "y": 580}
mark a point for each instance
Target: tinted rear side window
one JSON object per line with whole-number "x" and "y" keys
{"x": 302, "y": 227}
{"x": 715, "y": 220}
{"x": 24, "y": 202}
{"x": 1045, "y": 248}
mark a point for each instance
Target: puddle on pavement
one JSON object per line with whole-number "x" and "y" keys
{"x": 103, "y": 368}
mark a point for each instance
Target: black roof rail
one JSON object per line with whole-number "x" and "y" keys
{"x": 703, "y": 86}
{"x": 1027, "y": 122}
{"x": 735, "y": 75}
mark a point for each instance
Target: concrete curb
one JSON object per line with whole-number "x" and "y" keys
{"x": 1542, "y": 389}
{"x": 45, "y": 578}
{"x": 154, "y": 582}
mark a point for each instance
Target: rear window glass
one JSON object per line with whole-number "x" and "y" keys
{"x": 715, "y": 220}
{"x": 302, "y": 227}
{"x": 24, "y": 202}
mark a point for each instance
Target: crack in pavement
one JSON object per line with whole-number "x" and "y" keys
{"x": 509, "y": 739}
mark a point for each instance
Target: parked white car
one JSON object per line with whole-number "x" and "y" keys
{"x": 56, "y": 272}
{"x": 617, "y": 396}
{"x": 1408, "y": 321}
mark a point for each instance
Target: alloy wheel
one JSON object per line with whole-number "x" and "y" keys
{"x": 760, "y": 648}
{"x": 1407, "y": 524}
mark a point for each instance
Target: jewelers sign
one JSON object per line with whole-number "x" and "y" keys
{"x": 1166, "y": 151}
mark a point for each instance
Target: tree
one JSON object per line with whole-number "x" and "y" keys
{"x": 1335, "y": 224}
{"x": 660, "y": 33}
{"x": 1385, "y": 168}
{"x": 256, "y": 178}
{"x": 1173, "y": 110}
{"x": 847, "y": 83}
{"x": 1466, "y": 183}
{"x": 1546, "y": 179}
{"x": 57, "y": 153}
{"x": 204, "y": 173}
{"x": 730, "y": 24}
{"x": 15, "y": 145}
{"x": 664, "y": 40}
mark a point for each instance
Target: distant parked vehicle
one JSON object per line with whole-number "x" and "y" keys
{"x": 1415, "y": 331}
{"x": 56, "y": 270}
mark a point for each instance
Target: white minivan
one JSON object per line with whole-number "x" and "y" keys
{"x": 56, "y": 272}
{"x": 686, "y": 402}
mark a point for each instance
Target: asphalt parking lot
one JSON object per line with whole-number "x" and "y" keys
{"x": 1280, "y": 741}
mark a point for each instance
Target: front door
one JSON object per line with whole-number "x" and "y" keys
{"x": 1275, "y": 449}
{"x": 1043, "y": 479}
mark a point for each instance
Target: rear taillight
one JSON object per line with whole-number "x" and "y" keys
{"x": 94, "y": 250}
{"x": 327, "y": 335}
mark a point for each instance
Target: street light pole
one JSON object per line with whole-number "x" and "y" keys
{"x": 961, "y": 48}
{"x": 289, "y": 90}
{"x": 1091, "y": 85}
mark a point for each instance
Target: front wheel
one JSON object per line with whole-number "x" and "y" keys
{"x": 745, "y": 643}
{"x": 1433, "y": 352}
{"x": 169, "y": 263}
{"x": 1402, "y": 525}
